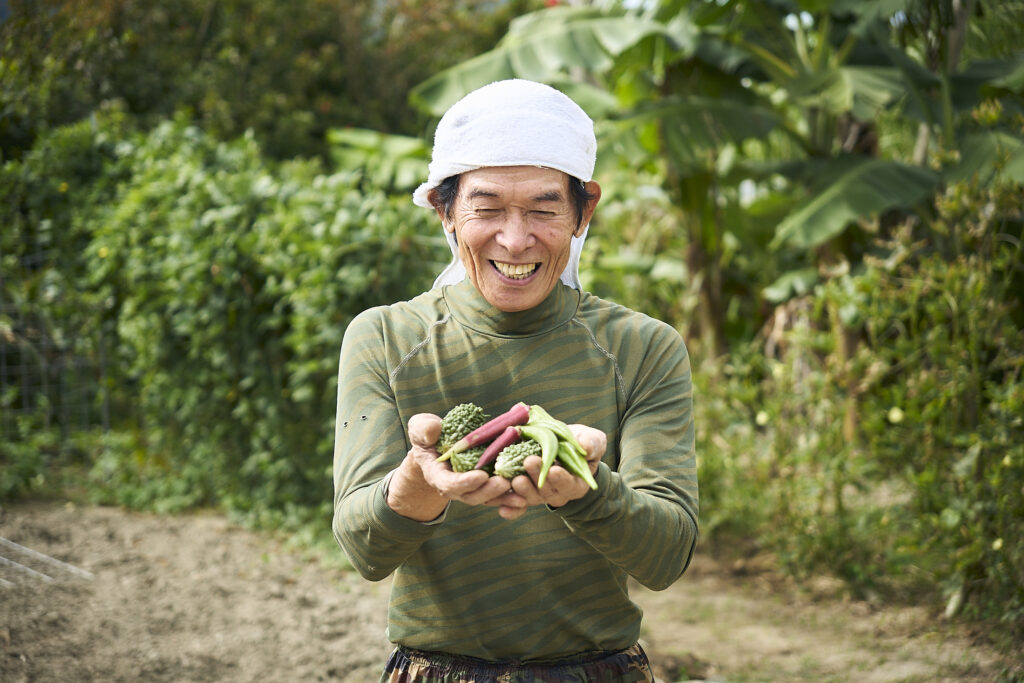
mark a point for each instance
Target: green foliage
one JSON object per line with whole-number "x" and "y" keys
{"x": 946, "y": 409}
{"x": 229, "y": 283}
{"x": 222, "y": 284}
{"x": 287, "y": 71}
{"x": 538, "y": 46}
{"x": 898, "y": 466}
{"x": 387, "y": 162}
{"x": 26, "y": 457}
{"x": 48, "y": 313}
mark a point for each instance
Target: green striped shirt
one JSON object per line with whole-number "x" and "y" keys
{"x": 554, "y": 582}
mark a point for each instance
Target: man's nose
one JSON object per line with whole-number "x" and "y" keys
{"x": 516, "y": 235}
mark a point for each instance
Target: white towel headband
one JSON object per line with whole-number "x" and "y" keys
{"x": 511, "y": 123}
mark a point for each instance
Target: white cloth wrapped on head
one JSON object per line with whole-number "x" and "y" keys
{"x": 511, "y": 123}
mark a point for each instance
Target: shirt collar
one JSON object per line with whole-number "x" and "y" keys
{"x": 471, "y": 309}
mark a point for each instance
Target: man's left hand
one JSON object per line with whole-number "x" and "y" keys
{"x": 560, "y": 486}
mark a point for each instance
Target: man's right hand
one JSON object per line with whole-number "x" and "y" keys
{"x": 421, "y": 487}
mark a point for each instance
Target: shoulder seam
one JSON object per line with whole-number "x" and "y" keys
{"x": 608, "y": 354}
{"x": 417, "y": 347}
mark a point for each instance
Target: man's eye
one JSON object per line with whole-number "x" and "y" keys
{"x": 487, "y": 212}
{"x": 543, "y": 214}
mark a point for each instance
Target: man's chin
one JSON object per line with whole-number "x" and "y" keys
{"x": 516, "y": 298}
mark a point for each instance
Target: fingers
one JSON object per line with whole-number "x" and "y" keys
{"x": 494, "y": 491}
{"x": 511, "y": 512}
{"x": 451, "y": 485}
{"x": 511, "y": 498}
{"x": 475, "y": 487}
{"x": 560, "y": 487}
{"x": 424, "y": 430}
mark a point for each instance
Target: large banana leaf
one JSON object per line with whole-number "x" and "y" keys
{"x": 690, "y": 129}
{"x": 988, "y": 156}
{"x": 968, "y": 88}
{"x": 867, "y": 15}
{"x": 796, "y": 282}
{"x": 541, "y": 46}
{"x": 861, "y": 90}
{"x": 693, "y": 123}
{"x": 865, "y": 188}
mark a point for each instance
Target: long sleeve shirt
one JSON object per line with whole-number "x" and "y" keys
{"x": 553, "y": 583}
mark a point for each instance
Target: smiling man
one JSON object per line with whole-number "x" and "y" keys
{"x": 497, "y": 579}
{"x": 514, "y": 227}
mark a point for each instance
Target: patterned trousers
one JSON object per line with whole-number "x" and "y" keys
{"x": 408, "y": 666}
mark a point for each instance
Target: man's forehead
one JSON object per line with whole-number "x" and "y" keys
{"x": 540, "y": 183}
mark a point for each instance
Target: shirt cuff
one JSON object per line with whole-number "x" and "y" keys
{"x": 384, "y": 491}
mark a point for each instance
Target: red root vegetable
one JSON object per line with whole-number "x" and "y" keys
{"x": 518, "y": 414}
{"x": 490, "y": 454}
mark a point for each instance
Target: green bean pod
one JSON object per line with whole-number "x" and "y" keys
{"x": 541, "y": 418}
{"x": 548, "y": 441}
{"x": 575, "y": 463}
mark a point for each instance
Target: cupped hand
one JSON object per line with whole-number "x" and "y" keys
{"x": 560, "y": 485}
{"x": 421, "y": 486}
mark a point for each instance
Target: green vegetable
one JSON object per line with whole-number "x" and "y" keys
{"x": 506, "y": 438}
{"x": 569, "y": 452}
{"x": 548, "y": 441}
{"x": 466, "y": 460}
{"x": 471, "y": 441}
{"x": 575, "y": 463}
{"x": 458, "y": 422}
{"x": 487, "y": 432}
{"x": 541, "y": 418}
{"x": 509, "y": 463}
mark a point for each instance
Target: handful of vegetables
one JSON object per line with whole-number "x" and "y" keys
{"x": 500, "y": 445}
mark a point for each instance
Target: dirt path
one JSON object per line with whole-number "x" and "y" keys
{"x": 194, "y": 598}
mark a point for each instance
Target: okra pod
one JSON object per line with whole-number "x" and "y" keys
{"x": 576, "y": 464}
{"x": 549, "y": 443}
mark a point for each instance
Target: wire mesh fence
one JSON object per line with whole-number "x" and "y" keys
{"x": 46, "y": 381}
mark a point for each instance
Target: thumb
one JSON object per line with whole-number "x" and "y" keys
{"x": 594, "y": 441}
{"x": 424, "y": 429}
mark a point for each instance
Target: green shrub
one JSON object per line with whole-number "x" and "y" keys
{"x": 898, "y": 466}
{"x": 288, "y": 71}
{"x": 48, "y": 315}
{"x": 945, "y": 409}
{"x": 229, "y": 282}
{"x": 208, "y": 289}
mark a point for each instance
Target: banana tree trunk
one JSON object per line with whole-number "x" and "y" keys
{"x": 710, "y": 320}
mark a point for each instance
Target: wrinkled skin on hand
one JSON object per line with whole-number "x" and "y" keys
{"x": 421, "y": 487}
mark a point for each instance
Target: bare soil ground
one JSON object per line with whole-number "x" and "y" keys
{"x": 195, "y": 598}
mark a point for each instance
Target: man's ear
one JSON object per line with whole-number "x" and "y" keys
{"x": 439, "y": 208}
{"x": 594, "y": 190}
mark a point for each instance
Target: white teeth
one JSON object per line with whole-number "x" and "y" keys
{"x": 516, "y": 271}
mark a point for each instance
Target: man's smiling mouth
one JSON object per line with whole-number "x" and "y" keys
{"x": 516, "y": 271}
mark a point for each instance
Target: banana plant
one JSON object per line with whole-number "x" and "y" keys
{"x": 693, "y": 87}
{"x": 549, "y": 45}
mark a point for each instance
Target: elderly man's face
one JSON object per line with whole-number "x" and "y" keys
{"x": 514, "y": 226}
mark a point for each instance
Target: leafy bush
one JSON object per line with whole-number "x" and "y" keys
{"x": 229, "y": 282}
{"x": 288, "y": 71}
{"x": 897, "y": 463}
{"x": 48, "y": 319}
{"x": 218, "y": 285}
{"x": 946, "y": 408}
